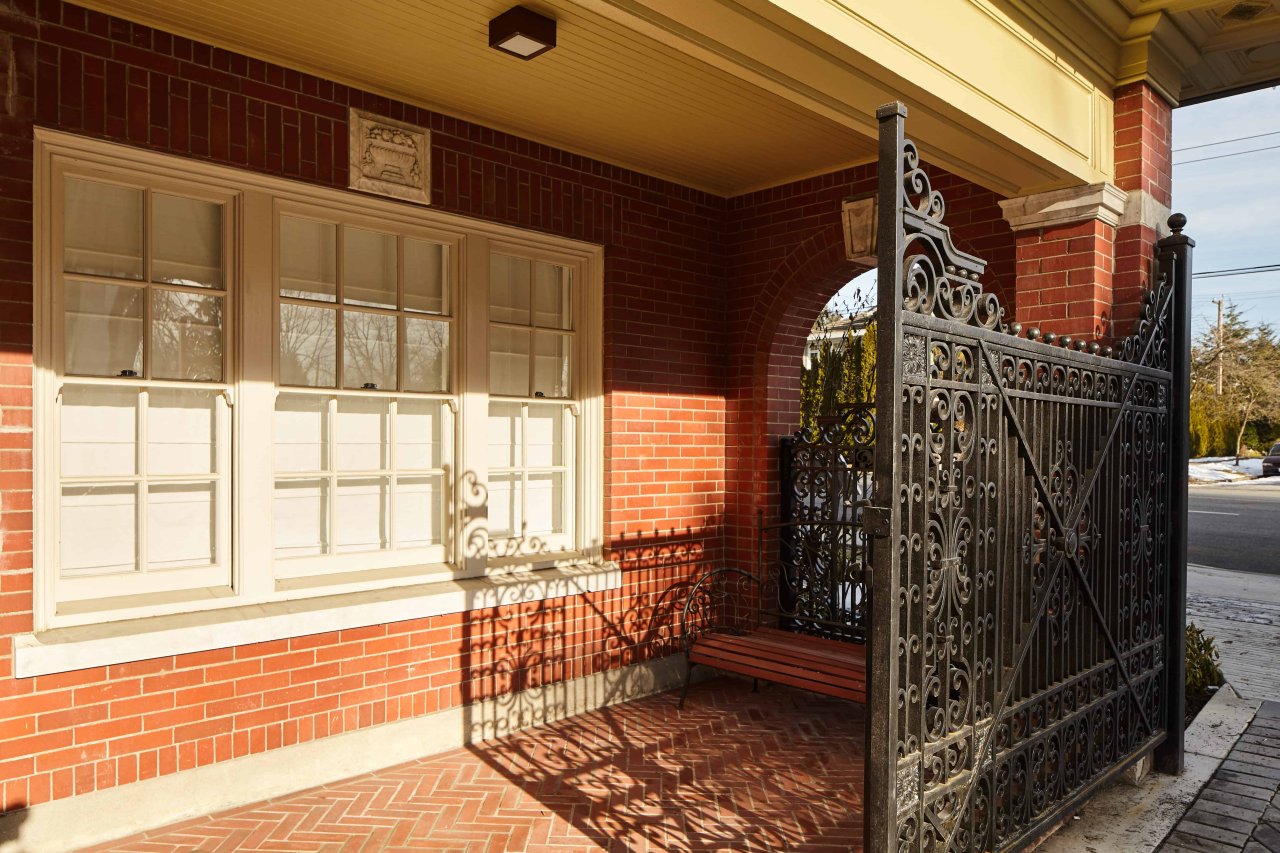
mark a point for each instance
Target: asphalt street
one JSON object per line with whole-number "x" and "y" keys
{"x": 1236, "y": 528}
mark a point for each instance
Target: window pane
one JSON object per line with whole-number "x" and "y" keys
{"x": 368, "y": 268}
{"x": 545, "y": 504}
{"x": 103, "y": 229}
{"x": 98, "y": 530}
{"x": 186, "y": 238}
{"x": 508, "y": 361}
{"x": 186, "y": 336}
{"x": 551, "y": 296}
{"x": 369, "y": 350}
{"x": 104, "y": 329}
{"x": 181, "y": 430}
{"x": 181, "y": 525}
{"x": 361, "y": 432}
{"x": 546, "y": 436}
{"x": 426, "y": 345}
{"x": 307, "y": 346}
{"x": 419, "y": 501}
{"x": 99, "y": 431}
{"x": 308, "y": 259}
{"x": 300, "y": 432}
{"x": 505, "y": 516}
{"x": 551, "y": 365}
{"x": 508, "y": 289}
{"x": 417, "y": 435}
{"x": 362, "y": 514}
{"x": 505, "y": 435}
{"x": 301, "y": 517}
{"x": 426, "y": 279}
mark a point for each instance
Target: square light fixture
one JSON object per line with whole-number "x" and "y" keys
{"x": 522, "y": 32}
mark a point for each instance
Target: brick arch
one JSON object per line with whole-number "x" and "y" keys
{"x": 767, "y": 372}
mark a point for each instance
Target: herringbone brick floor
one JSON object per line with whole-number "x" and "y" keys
{"x": 735, "y": 770}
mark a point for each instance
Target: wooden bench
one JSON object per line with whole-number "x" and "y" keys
{"x": 724, "y": 628}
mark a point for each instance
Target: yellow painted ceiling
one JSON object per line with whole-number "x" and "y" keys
{"x": 604, "y": 91}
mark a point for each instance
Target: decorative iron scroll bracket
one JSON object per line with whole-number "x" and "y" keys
{"x": 875, "y": 521}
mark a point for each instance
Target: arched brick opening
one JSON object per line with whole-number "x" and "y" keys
{"x": 767, "y": 403}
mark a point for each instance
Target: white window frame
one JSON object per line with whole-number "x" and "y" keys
{"x": 250, "y": 320}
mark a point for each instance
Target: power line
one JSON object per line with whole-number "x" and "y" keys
{"x": 1237, "y": 270}
{"x": 1223, "y": 156}
{"x": 1226, "y": 141}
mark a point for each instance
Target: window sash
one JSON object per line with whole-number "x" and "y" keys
{"x": 251, "y": 204}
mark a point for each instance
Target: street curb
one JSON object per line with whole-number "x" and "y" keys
{"x": 1126, "y": 818}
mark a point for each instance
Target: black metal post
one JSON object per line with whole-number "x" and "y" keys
{"x": 1175, "y": 261}
{"x": 882, "y": 675}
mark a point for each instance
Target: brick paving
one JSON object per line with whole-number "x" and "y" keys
{"x": 735, "y": 770}
{"x": 1239, "y": 808}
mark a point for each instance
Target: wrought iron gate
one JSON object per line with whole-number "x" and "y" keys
{"x": 1027, "y": 594}
{"x": 826, "y": 485}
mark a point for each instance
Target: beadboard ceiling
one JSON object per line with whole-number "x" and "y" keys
{"x": 605, "y": 91}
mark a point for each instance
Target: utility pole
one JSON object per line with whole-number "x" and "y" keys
{"x": 1218, "y": 302}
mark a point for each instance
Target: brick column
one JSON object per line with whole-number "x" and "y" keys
{"x": 1143, "y": 139}
{"x": 1066, "y": 258}
{"x": 1085, "y": 253}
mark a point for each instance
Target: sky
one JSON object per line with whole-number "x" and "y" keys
{"x": 1231, "y": 198}
{"x": 1232, "y": 202}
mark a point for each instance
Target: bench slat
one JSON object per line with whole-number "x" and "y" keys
{"x": 818, "y": 681}
{"x": 782, "y": 655}
{"x": 843, "y": 690}
{"x": 829, "y": 667}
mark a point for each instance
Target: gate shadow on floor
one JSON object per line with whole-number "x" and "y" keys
{"x": 773, "y": 770}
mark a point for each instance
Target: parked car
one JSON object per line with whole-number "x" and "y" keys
{"x": 1271, "y": 463}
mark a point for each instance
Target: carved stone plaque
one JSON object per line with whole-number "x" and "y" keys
{"x": 389, "y": 157}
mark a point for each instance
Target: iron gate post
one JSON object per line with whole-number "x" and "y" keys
{"x": 1175, "y": 261}
{"x": 882, "y": 675}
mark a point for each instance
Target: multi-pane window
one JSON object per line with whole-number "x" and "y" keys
{"x": 364, "y": 312}
{"x": 248, "y": 391}
{"x": 144, "y": 462}
{"x": 531, "y": 413}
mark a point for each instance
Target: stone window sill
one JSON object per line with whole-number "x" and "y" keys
{"x": 82, "y": 647}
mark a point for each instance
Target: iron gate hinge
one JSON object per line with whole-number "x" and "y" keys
{"x": 875, "y": 521}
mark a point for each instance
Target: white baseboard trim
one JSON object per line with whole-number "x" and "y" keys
{"x": 66, "y": 825}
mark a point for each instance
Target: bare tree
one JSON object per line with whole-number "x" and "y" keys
{"x": 1248, "y": 356}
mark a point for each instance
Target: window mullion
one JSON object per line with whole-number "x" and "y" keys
{"x": 142, "y": 489}
{"x": 393, "y": 413}
{"x": 331, "y": 466}
{"x": 339, "y": 318}
{"x": 147, "y": 350}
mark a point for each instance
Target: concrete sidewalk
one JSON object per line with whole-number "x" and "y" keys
{"x": 1233, "y": 747}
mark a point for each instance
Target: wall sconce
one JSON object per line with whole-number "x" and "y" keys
{"x": 522, "y": 32}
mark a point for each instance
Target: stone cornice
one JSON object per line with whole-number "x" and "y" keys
{"x": 1103, "y": 202}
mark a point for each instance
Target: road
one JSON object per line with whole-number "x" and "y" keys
{"x": 1236, "y": 527}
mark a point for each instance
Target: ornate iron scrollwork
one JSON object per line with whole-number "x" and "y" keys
{"x": 1027, "y": 568}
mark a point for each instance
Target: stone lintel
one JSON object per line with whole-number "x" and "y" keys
{"x": 1103, "y": 202}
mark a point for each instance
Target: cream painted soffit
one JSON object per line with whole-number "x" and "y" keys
{"x": 989, "y": 101}
{"x": 720, "y": 95}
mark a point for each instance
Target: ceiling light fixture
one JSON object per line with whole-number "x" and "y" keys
{"x": 522, "y": 32}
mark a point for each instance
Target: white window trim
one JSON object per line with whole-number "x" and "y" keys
{"x": 254, "y": 584}
{"x": 68, "y": 649}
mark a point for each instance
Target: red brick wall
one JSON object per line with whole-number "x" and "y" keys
{"x": 1065, "y": 279}
{"x": 1144, "y": 161}
{"x": 71, "y": 733}
{"x": 707, "y": 302}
